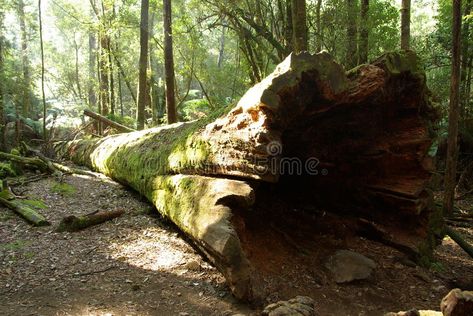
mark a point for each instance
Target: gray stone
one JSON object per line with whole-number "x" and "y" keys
{"x": 347, "y": 266}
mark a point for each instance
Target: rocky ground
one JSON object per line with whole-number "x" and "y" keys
{"x": 139, "y": 264}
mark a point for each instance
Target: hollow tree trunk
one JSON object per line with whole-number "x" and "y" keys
{"x": 308, "y": 134}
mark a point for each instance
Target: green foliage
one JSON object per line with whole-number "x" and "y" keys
{"x": 124, "y": 120}
{"x": 194, "y": 109}
{"x": 63, "y": 189}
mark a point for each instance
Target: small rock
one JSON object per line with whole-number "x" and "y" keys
{"x": 192, "y": 265}
{"x": 298, "y": 306}
{"x": 347, "y": 266}
{"x": 457, "y": 303}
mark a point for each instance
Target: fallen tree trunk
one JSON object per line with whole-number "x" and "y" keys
{"x": 25, "y": 211}
{"x": 103, "y": 119}
{"x": 309, "y": 136}
{"x": 75, "y": 223}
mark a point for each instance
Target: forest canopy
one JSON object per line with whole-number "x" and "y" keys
{"x": 92, "y": 52}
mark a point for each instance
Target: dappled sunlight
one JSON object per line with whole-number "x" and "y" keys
{"x": 151, "y": 249}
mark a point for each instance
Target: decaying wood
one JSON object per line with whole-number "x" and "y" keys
{"x": 459, "y": 240}
{"x": 103, "y": 119}
{"x": 361, "y": 140}
{"x": 75, "y": 223}
{"x": 25, "y": 211}
{"x": 42, "y": 163}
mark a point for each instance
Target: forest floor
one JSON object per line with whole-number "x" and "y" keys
{"x": 139, "y": 264}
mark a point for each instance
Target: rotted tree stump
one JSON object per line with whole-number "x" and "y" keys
{"x": 355, "y": 144}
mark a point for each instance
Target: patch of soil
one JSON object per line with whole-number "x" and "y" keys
{"x": 139, "y": 264}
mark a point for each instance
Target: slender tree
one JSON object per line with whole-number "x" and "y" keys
{"x": 405, "y": 24}
{"x": 351, "y": 56}
{"x": 143, "y": 65}
{"x": 169, "y": 63}
{"x": 318, "y": 26}
{"x": 299, "y": 25}
{"x": 26, "y": 102}
{"x": 92, "y": 97}
{"x": 465, "y": 78}
{"x": 221, "y": 52}
{"x": 45, "y": 136}
{"x": 453, "y": 114}
{"x": 363, "y": 42}
{"x": 2, "y": 88}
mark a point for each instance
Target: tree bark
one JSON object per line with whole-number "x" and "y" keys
{"x": 45, "y": 135}
{"x": 318, "y": 25}
{"x": 363, "y": 43}
{"x": 143, "y": 65}
{"x": 2, "y": 87}
{"x": 405, "y": 24}
{"x": 25, "y": 211}
{"x": 92, "y": 97}
{"x": 465, "y": 62}
{"x": 351, "y": 56}
{"x": 169, "y": 63}
{"x": 26, "y": 102}
{"x": 75, "y": 223}
{"x": 453, "y": 113}
{"x": 299, "y": 25}
{"x": 184, "y": 169}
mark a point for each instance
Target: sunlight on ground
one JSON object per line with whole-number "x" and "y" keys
{"x": 151, "y": 249}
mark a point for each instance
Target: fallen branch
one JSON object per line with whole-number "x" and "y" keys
{"x": 29, "y": 162}
{"x": 103, "y": 119}
{"x": 73, "y": 223}
{"x": 25, "y": 211}
{"x": 459, "y": 240}
{"x": 97, "y": 271}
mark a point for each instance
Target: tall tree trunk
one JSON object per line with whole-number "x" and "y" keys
{"x": 363, "y": 43}
{"x": 153, "y": 80}
{"x": 221, "y": 51}
{"x": 465, "y": 59}
{"x": 2, "y": 87}
{"x": 351, "y": 57}
{"x": 103, "y": 61}
{"x": 169, "y": 63}
{"x": 120, "y": 93}
{"x": 452, "y": 152}
{"x": 104, "y": 86}
{"x": 76, "y": 50}
{"x": 318, "y": 40}
{"x": 142, "y": 84}
{"x": 45, "y": 135}
{"x": 299, "y": 26}
{"x": 112, "y": 81}
{"x": 289, "y": 27}
{"x": 92, "y": 97}
{"x": 405, "y": 24}
{"x": 26, "y": 102}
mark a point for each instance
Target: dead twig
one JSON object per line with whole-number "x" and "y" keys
{"x": 97, "y": 271}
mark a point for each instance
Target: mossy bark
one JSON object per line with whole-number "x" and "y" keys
{"x": 25, "y": 211}
{"x": 369, "y": 129}
{"x": 75, "y": 223}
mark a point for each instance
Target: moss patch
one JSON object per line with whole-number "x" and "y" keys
{"x": 37, "y": 204}
{"x": 63, "y": 189}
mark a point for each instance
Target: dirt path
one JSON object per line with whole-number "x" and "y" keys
{"x": 135, "y": 265}
{"x": 139, "y": 264}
